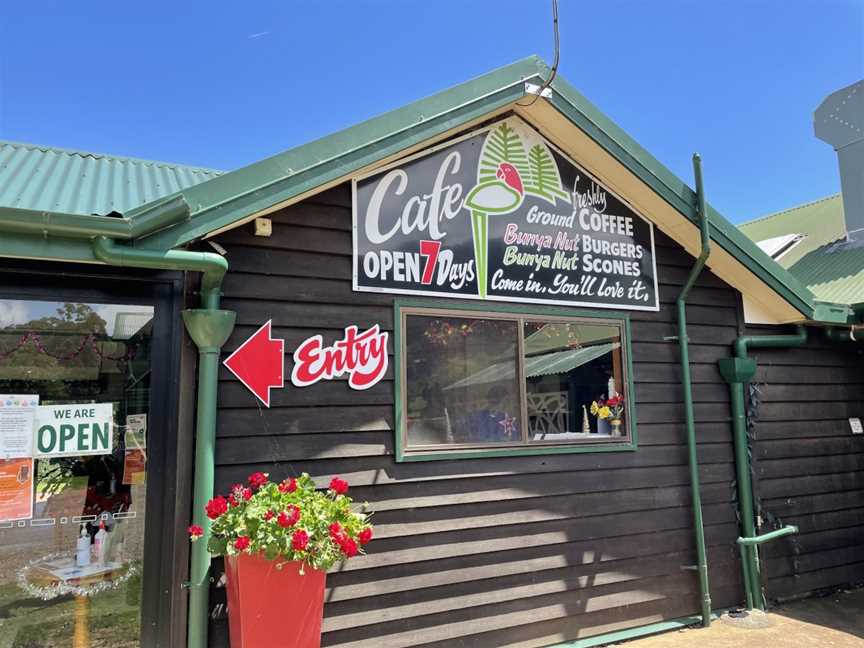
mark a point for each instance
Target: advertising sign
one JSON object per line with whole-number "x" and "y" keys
{"x": 73, "y": 430}
{"x": 16, "y": 489}
{"x": 135, "y": 452}
{"x": 362, "y": 356}
{"x": 17, "y": 413}
{"x": 259, "y": 363}
{"x": 501, "y": 215}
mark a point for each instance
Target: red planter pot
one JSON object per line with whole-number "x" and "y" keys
{"x": 276, "y": 608}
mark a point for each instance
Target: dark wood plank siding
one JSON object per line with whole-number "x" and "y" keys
{"x": 809, "y": 468}
{"x": 524, "y": 551}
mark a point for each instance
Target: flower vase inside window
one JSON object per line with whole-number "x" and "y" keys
{"x": 510, "y": 381}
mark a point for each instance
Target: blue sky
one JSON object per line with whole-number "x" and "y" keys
{"x": 223, "y": 84}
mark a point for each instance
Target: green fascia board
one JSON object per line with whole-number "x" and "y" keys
{"x": 18, "y": 245}
{"x": 677, "y": 193}
{"x": 224, "y": 200}
{"x": 45, "y": 223}
{"x": 220, "y": 202}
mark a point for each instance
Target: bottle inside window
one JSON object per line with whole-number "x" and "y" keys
{"x": 571, "y": 371}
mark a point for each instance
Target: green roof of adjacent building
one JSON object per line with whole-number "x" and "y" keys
{"x": 820, "y": 222}
{"x": 831, "y": 271}
{"x": 45, "y": 178}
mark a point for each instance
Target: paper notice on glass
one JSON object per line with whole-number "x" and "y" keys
{"x": 135, "y": 455}
{"x": 134, "y": 467}
{"x": 17, "y": 416}
{"x": 136, "y": 431}
{"x": 16, "y": 489}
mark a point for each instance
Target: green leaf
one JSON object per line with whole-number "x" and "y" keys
{"x": 217, "y": 546}
{"x": 544, "y": 180}
{"x": 502, "y": 144}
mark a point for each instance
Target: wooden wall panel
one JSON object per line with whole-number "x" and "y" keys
{"x": 809, "y": 468}
{"x": 520, "y": 551}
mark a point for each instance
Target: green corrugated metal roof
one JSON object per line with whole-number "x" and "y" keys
{"x": 45, "y": 178}
{"x": 821, "y": 222}
{"x": 832, "y": 270}
{"x": 557, "y": 362}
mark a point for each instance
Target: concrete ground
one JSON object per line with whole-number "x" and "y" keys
{"x": 835, "y": 621}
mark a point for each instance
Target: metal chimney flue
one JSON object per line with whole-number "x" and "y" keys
{"x": 839, "y": 121}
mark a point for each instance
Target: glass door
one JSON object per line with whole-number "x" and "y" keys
{"x": 75, "y": 384}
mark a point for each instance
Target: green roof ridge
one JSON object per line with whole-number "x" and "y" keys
{"x": 759, "y": 219}
{"x": 222, "y": 202}
{"x": 243, "y": 188}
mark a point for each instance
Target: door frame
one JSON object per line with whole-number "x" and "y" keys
{"x": 170, "y": 461}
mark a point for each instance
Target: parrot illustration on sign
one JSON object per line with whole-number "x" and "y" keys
{"x": 505, "y": 175}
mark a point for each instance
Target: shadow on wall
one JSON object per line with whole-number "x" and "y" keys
{"x": 502, "y": 550}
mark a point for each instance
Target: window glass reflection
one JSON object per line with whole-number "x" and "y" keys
{"x": 70, "y": 573}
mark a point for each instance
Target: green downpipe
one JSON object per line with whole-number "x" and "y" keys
{"x": 689, "y": 417}
{"x": 738, "y": 371}
{"x": 212, "y": 266}
{"x": 746, "y": 545}
{"x": 789, "y": 529}
{"x": 852, "y": 334}
{"x": 209, "y": 327}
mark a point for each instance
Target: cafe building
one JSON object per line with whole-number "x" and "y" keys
{"x": 582, "y": 405}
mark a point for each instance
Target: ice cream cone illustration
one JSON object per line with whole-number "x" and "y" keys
{"x": 505, "y": 176}
{"x": 500, "y": 196}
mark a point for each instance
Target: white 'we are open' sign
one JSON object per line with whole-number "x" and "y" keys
{"x": 63, "y": 430}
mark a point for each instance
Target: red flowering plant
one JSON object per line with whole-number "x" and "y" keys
{"x": 285, "y": 521}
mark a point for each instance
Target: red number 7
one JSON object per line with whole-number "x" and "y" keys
{"x": 429, "y": 249}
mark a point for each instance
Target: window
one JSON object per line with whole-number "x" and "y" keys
{"x": 72, "y": 525}
{"x": 474, "y": 383}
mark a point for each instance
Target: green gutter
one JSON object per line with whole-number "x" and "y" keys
{"x": 209, "y": 328}
{"x": 158, "y": 215}
{"x": 58, "y": 224}
{"x": 211, "y": 265}
{"x": 683, "y": 343}
{"x": 738, "y": 371}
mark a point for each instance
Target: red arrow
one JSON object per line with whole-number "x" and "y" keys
{"x": 259, "y": 363}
